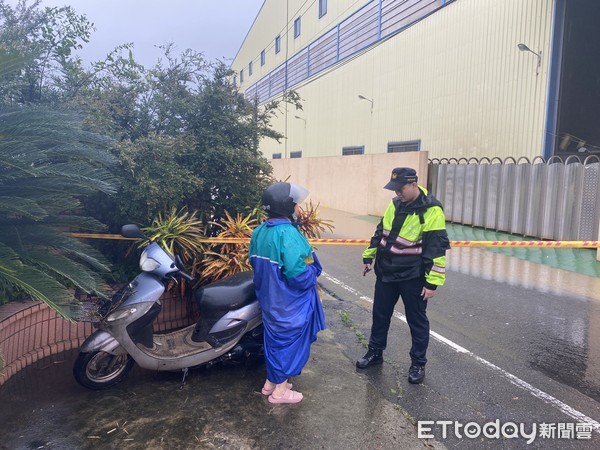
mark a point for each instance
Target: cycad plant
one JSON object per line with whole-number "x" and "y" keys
{"x": 311, "y": 225}
{"x": 183, "y": 234}
{"x": 47, "y": 163}
{"x": 179, "y": 231}
{"x": 223, "y": 260}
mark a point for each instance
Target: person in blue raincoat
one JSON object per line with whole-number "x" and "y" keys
{"x": 285, "y": 278}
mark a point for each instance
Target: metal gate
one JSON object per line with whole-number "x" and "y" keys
{"x": 552, "y": 199}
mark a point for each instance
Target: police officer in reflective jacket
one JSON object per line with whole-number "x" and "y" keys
{"x": 409, "y": 247}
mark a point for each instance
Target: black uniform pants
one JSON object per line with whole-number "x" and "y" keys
{"x": 386, "y": 297}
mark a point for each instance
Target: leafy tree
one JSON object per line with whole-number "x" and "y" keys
{"x": 47, "y": 37}
{"x": 187, "y": 137}
{"x": 227, "y": 128}
{"x": 184, "y": 134}
{"x": 156, "y": 180}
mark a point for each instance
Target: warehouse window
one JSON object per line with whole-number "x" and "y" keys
{"x": 262, "y": 58}
{"x": 242, "y": 76}
{"x": 276, "y": 155}
{"x": 297, "y": 27}
{"x": 357, "y": 150}
{"x": 322, "y": 8}
{"x": 250, "y": 69}
{"x": 235, "y": 80}
{"x": 405, "y": 146}
{"x": 277, "y": 44}
{"x": 297, "y": 154}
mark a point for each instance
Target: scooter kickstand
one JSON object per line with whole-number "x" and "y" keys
{"x": 185, "y": 373}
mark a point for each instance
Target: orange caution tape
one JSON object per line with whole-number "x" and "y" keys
{"x": 527, "y": 244}
{"x": 101, "y": 236}
{"x": 455, "y": 244}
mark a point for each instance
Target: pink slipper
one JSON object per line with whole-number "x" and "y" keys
{"x": 288, "y": 396}
{"x": 266, "y": 391}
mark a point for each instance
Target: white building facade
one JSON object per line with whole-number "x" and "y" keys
{"x": 455, "y": 78}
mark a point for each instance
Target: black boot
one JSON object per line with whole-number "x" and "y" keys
{"x": 416, "y": 374}
{"x": 371, "y": 358}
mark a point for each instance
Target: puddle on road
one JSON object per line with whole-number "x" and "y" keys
{"x": 563, "y": 344}
{"x": 43, "y": 406}
{"x": 220, "y": 407}
{"x": 568, "y": 360}
{"x": 570, "y": 271}
{"x": 519, "y": 272}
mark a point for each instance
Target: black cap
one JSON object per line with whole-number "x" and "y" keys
{"x": 400, "y": 177}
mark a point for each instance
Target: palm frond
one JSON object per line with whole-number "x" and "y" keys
{"x": 90, "y": 178}
{"x": 40, "y": 286}
{"x": 22, "y": 207}
{"x": 9, "y": 259}
{"x": 34, "y": 283}
{"x": 87, "y": 153}
{"x": 27, "y": 237}
{"x": 75, "y": 222}
{"x": 38, "y": 125}
{"x": 43, "y": 188}
{"x": 48, "y": 161}
{"x": 76, "y": 273}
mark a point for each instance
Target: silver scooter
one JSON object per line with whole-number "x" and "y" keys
{"x": 230, "y": 325}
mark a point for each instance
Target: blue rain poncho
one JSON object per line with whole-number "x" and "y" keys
{"x": 285, "y": 277}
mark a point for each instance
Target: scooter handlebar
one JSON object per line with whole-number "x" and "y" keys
{"x": 179, "y": 264}
{"x": 186, "y": 276}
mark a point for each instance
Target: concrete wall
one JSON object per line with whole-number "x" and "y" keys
{"x": 350, "y": 183}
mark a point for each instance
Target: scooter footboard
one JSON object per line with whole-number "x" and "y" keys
{"x": 101, "y": 341}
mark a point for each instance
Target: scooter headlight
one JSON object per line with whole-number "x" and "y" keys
{"x": 148, "y": 264}
{"x": 120, "y": 314}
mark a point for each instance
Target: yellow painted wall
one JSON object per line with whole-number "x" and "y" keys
{"x": 454, "y": 80}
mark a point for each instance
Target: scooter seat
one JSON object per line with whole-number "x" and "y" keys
{"x": 231, "y": 293}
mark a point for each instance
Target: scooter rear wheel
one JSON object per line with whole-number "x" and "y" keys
{"x": 101, "y": 370}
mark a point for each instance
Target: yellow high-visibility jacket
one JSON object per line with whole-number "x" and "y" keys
{"x": 411, "y": 242}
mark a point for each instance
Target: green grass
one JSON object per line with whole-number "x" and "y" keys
{"x": 347, "y": 321}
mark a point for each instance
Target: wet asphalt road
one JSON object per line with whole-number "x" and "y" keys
{"x": 500, "y": 352}
{"x": 501, "y": 349}
{"x": 218, "y": 408}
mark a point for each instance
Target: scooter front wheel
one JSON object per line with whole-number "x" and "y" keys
{"x": 101, "y": 370}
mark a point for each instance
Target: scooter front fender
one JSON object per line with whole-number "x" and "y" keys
{"x": 101, "y": 341}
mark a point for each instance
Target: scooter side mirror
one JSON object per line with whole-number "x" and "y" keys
{"x": 132, "y": 231}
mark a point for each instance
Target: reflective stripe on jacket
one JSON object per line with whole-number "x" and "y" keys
{"x": 418, "y": 249}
